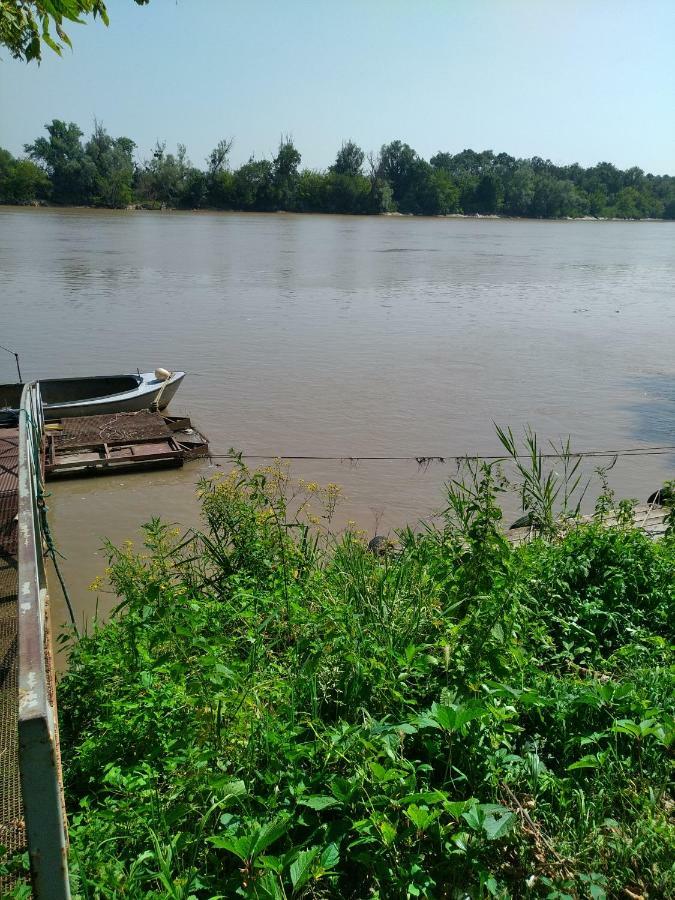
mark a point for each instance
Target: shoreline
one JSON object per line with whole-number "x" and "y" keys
{"x": 294, "y": 212}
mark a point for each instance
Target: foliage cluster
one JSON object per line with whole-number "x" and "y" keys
{"x": 273, "y": 712}
{"x": 102, "y": 172}
{"x": 25, "y": 25}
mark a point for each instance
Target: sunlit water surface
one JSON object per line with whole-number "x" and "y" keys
{"x": 339, "y": 336}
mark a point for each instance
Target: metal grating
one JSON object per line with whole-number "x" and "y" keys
{"x": 12, "y": 833}
{"x": 12, "y": 828}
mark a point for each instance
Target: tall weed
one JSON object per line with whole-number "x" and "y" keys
{"x": 274, "y": 712}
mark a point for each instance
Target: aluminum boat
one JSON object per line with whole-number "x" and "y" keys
{"x": 97, "y": 395}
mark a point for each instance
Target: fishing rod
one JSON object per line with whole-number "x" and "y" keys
{"x": 16, "y": 359}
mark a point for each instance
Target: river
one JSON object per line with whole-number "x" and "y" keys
{"x": 340, "y": 336}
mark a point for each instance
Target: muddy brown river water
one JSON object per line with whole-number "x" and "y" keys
{"x": 342, "y": 336}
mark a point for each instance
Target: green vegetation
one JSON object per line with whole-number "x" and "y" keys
{"x": 274, "y": 712}
{"x": 102, "y": 172}
{"x": 25, "y": 25}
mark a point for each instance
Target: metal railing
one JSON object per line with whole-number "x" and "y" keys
{"x": 39, "y": 760}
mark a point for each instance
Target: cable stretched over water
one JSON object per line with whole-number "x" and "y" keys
{"x": 422, "y": 459}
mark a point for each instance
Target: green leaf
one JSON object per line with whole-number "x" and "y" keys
{"x": 240, "y": 846}
{"x": 497, "y": 824}
{"x": 425, "y": 797}
{"x": 249, "y": 846}
{"x": 228, "y": 788}
{"x": 421, "y": 816}
{"x": 626, "y": 726}
{"x": 330, "y": 856}
{"x": 387, "y": 831}
{"x": 446, "y": 717}
{"x": 474, "y": 818}
{"x": 405, "y": 728}
{"x": 268, "y": 834}
{"x": 268, "y": 888}
{"x": 467, "y": 713}
{"x": 318, "y": 801}
{"x": 301, "y": 868}
{"x": 586, "y": 762}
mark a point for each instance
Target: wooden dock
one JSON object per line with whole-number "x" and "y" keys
{"x": 650, "y": 518}
{"x": 104, "y": 444}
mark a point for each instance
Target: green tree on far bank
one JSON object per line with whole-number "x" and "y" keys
{"x": 114, "y": 164}
{"x": 98, "y": 173}
{"x": 71, "y": 172}
{"x": 21, "y": 181}
{"x": 349, "y": 160}
{"x": 102, "y": 171}
{"x": 286, "y": 168}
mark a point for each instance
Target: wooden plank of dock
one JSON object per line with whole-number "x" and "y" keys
{"x": 12, "y": 830}
{"x": 650, "y": 518}
{"x": 106, "y": 443}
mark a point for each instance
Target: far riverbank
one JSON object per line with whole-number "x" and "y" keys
{"x": 146, "y": 207}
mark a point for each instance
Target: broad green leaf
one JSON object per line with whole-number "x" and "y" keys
{"x": 474, "y": 818}
{"x": 387, "y": 831}
{"x": 455, "y": 807}
{"x": 626, "y": 726}
{"x": 420, "y": 816}
{"x": 318, "y": 801}
{"x": 342, "y": 788}
{"x": 426, "y": 720}
{"x": 405, "y": 728}
{"x": 586, "y": 762}
{"x": 425, "y": 797}
{"x": 466, "y": 713}
{"x": 301, "y": 868}
{"x": 268, "y": 888}
{"x": 446, "y": 717}
{"x": 228, "y": 788}
{"x": 268, "y": 834}
{"x": 330, "y": 856}
{"x": 497, "y": 824}
{"x": 240, "y": 846}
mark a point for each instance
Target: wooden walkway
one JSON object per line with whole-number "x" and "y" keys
{"x": 649, "y": 518}
{"x": 12, "y": 830}
{"x": 103, "y": 444}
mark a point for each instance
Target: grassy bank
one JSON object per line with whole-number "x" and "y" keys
{"x": 274, "y": 712}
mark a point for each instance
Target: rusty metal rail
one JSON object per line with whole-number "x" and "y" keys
{"x": 39, "y": 760}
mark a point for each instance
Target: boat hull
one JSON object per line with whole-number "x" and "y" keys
{"x": 66, "y": 398}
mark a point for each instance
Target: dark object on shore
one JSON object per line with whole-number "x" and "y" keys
{"x": 381, "y": 545}
{"x": 526, "y": 521}
{"x": 665, "y": 496}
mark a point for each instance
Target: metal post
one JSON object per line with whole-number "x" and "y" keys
{"x": 16, "y": 359}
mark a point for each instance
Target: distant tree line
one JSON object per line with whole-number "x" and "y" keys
{"x": 62, "y": 168}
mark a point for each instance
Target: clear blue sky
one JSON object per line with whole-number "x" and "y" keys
{"x": 572, "y": 80}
